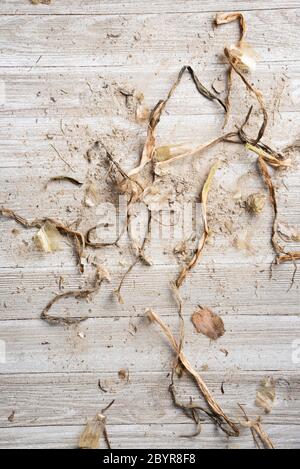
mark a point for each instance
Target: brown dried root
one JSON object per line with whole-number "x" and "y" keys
{"x": 101, "y": 275}
{"x": 260, "y": 437}
{"x": 90, "y": 437}
{"x": 202, "y": 240}
{"x": 149, "y": 147}
{"x": 78, "y": 238}
{"x": 217, "y": 411}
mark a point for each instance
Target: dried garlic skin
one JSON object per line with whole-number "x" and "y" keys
{"x": 255, "y": 203}
{"x": 48, "y": 238}
{"x": 266, "y": 394}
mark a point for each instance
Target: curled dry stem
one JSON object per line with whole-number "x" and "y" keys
{"x": 224, "y": 18}
{"x": 100, "y": 276}
{"x": 149, "y": 147}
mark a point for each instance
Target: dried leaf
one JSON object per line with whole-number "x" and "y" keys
{"x": 266, "y": 394}
{"x": 90, "y": 437}
{"x": 208, "y": 323}
{"x": 48, "y": 238}
{"x": 271, "y": 159}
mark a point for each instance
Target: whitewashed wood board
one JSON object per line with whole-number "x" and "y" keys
{"x": 61, "y": 67}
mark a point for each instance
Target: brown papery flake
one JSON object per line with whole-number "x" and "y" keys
{"x": 208, "y": 323}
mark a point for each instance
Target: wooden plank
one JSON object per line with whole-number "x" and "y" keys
{"x": 127, "y": 7}
{"x": 93, "y": 92}
{"x": 24, "y": 293}
{"x": 144, "y": 436}
{"x": 69, "y": 398}
{"x": 108, "y": 345}
{"x": 86, "y": 40}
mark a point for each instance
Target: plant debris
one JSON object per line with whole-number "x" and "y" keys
{"x": 90, "y": 437}
{"x": 64, "y": 178}
{"x": 101, "y": 275}
{"x": 203, "y": 238}
{"x": 91, "y": 197}
{"x": 255, "y": 203}
{"x": 265, "y": 395}
{"x": 11, "y": 417}
{"x": 219, "y": 415}
{"x": 123, "y": 374}
{"x": 208, "y": 323}
{"x": 48, "y": 238}
{"x": 150, "y": 144}
{"x": 242, "y": 60}
{"x": 44, "y": 2}
{"x": 260, "y": 437}
{"x": 78, "y": 238}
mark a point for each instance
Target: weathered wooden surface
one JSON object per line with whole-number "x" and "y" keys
{"x": 61, "y": 67}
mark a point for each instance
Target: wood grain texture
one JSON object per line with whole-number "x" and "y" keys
{"x": 108, "y": 7}
{"x": 62, "y": 67}
{"x": 111, "y": 40}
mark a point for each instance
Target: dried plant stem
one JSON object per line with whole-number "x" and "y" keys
{"x": 81, "y": 294}
{"x": 202, "y": 240}
{"x": 200, "y": 148}
{"x": 149, "y": 147}
{"x": 223, "y": 18}
{"x": 78, "y": 238}
{"x": 258, "y": 433}
{"x": 217, "y": 411}
{"x": 257, "y": 94}
{"x": 140, "y": 257}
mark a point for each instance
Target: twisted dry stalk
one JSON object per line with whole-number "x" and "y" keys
{"x": 218, "y": 413}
